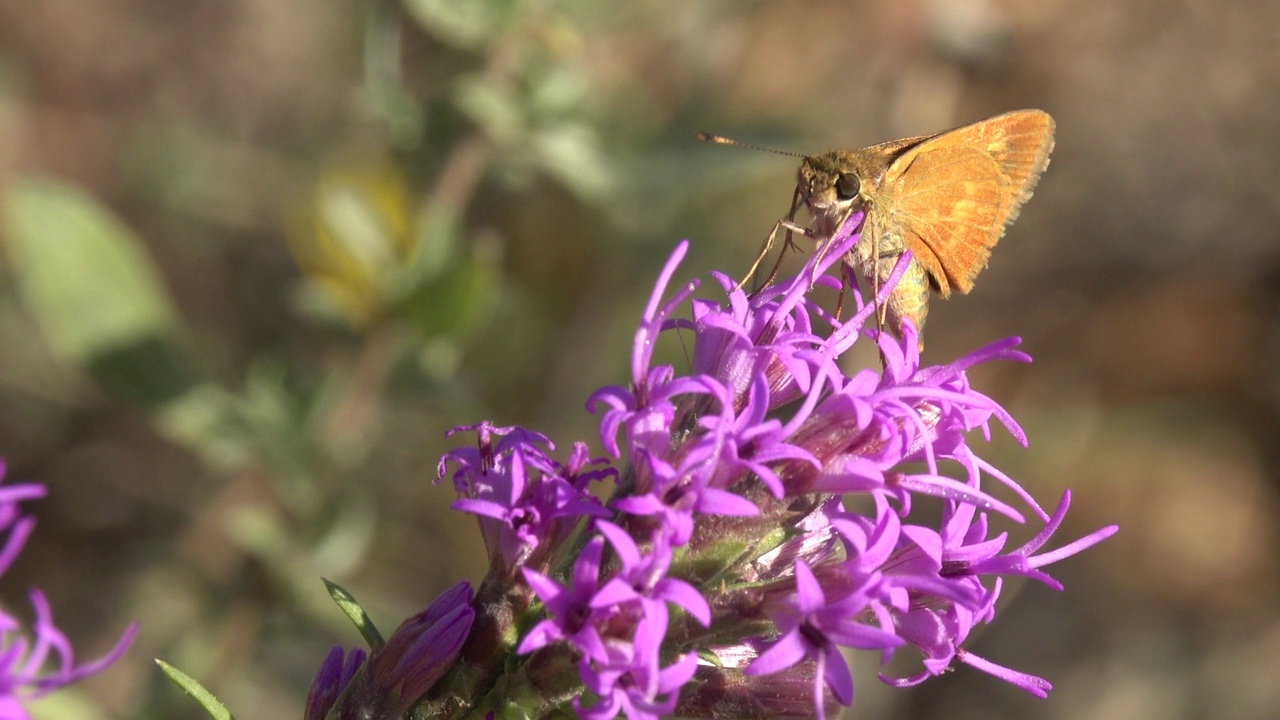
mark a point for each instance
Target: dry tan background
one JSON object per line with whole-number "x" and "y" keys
{"x": 1144, "y": 276}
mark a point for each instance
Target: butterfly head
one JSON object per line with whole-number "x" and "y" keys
{"x": 831, "y": 185}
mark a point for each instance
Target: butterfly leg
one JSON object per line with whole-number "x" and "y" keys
{"x": 881, "y": 309}
{"x": 790, "y": 226}
{"x": 877, "y": 264}
{"x": 909, "y": 299}
{"x": 787, "y": 244}
{"x": 764, "y": 250}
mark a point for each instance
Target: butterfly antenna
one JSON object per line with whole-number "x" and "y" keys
{"x": 722, "y": 140}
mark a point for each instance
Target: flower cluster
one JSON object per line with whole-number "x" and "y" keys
{"x": 728, "y": 573}
{"x": 24, "y": 656}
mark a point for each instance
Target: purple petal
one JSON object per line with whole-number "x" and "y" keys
{"x": 787, "y": 651}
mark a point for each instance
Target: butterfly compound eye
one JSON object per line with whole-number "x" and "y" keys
{"x": 848, "y": 186}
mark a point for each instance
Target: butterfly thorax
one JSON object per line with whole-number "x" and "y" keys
{"x": 835, "y": 184}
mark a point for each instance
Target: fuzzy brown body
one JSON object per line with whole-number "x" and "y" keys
{"x": 946, "y": 197}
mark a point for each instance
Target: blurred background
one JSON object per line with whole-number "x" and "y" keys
{"x": 259, "y": 254}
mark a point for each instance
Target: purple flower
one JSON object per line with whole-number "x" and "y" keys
{"x": 938, "y": 626}
{"x": 678, "y": 494}
{"x": 24, "y": 659}
{"x": 576, "y": 610}
{"x": 811, "y": 628}
{"x": 645, "y": 411}
{"x": 525, "y": 501}
{"x": 398, "y": 674}
{"x": 629, "y": 680}
{"x": 729, "y": 505}
{"x": 646, "y": 574}
{"x": 12, "y": 521}
{"x": 331, "y": 679}
{"x": 984, "y": 560}
{"x": 754, "y": 443}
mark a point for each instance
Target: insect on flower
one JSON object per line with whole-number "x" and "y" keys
{"x": 945, "y": 197}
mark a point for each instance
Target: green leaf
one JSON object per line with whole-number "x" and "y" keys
{"x": 85, "y": 277}
{"x": 570, "y": 153}
{"x": 347, "y": 602}
{"x": 436, "y": 230}
{"x": 458, "y": 303}
{"x": 494, "y": 107}
{"x": 190, "y": 686}
{"x": 151, "y": 371}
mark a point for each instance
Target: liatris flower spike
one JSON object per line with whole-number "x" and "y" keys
{"x": 725, "y": 576}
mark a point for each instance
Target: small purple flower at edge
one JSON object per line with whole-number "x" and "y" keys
{"x": 22, "y": 661}
{"x": 397, "y": 675}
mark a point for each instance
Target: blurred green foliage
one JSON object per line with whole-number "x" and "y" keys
{"x": 94, "y": 292}
{"x": 393, "y": 219}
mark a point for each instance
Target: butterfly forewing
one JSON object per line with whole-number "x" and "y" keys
{"x": 956, "y": 191}
{"x": 1021, "y": 145}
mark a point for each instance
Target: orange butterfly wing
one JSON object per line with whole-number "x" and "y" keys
{"x": 955, "y": 192}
